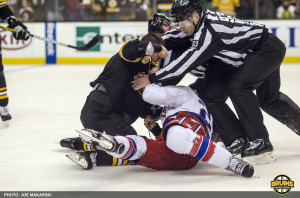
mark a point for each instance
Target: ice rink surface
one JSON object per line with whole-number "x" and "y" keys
{"x": 45, "y": 102}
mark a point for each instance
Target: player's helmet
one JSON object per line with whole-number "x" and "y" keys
{"x": 155, "y": 22}
{"x": 183, "y": 9}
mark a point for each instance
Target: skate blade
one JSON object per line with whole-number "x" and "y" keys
{"x": 103, "y": 144}
{"x": 265, "y": 158}
{"x": 77, "y": 159}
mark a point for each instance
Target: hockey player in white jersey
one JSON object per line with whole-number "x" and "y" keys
{"x": 185, "y": 138}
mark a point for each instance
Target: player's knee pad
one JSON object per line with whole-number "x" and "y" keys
{"x": 180, "y": 139}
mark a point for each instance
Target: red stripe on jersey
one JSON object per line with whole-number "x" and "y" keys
{"x": 129, "y": 150}
{"x": 210, "y": 151}
{"x": 196, "y": 146}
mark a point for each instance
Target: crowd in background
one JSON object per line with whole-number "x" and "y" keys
{"x": 141, "y": 10}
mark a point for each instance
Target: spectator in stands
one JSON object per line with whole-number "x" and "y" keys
{"x": 297, "y": 9}
{"x": 228, "y": 7}
{"x": 52, "y": 14}
{"x": 77, "y": 12}
{"x": 267, "y": 9}
{"x": 164, "y": 6}
{"x": 246, "y": 9}
{"x": 39, "y": 8}
{"x": 286, "y": 10}
{"x": 140, "y": 8}
{"x": 26, "y": 11}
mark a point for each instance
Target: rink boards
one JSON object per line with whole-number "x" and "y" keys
{"x": 114, "y": 35}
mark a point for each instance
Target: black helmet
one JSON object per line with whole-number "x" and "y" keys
{"x": 155, "y": 22}
{"x": 182, "y": 9}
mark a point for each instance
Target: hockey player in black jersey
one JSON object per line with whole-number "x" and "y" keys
{"x": 247, "y": 46}
{"x": 113, "y": 105}
{"x": 21, "y": 34}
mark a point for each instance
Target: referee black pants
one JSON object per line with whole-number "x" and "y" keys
{"x": 213, "y": 91}
{"x": 260, "y": 72}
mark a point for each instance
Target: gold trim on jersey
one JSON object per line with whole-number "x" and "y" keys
{"x": 3, "y": 3}
{"x": 121, "y": 54}
{"x": 3, "y": 88}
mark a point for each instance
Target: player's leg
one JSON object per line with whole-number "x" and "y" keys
{"x": 3, "y": 93}
{"x": 256, "y": 69}
{"x": 101, "y": 118}
{"x": 214, "y": 93}
{"x": 142, "y": 151}
{"x": 277, "y": 104}
{"x": 184, "y": 141}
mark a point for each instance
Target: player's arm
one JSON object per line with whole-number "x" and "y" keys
{"x": 7, "y": 15}
{"x": 170, "y": 96}
{"x": 176, "y": 39}
{"x": 198, "y": 53}
{"x": 133, "y": 51}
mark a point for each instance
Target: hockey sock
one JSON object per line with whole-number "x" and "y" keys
{"x": 80, "y": 145}
{"x": 105, "y": 159}
{"x": 135, "y": 147}
{"x": 221, "y": 157}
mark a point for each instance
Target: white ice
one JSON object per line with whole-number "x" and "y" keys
{"x": 45, "y": 103}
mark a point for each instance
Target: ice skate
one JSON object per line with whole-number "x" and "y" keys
{"x": 240, "y": 167}
{"x": 236, "y": 147}
{"x": 259, "y": 151}
{"x": 100, "y": 140}
{"x": 5, "y": 116}
{"x": 84, "y": 159}
{"x": 69, "y": 143}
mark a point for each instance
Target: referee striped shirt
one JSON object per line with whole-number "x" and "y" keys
{"x": 219, "y": 36}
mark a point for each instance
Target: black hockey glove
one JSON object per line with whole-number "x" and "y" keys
{"x": 21, "y": 33}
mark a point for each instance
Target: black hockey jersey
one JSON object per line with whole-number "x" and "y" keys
{"x": 4, "y": 10}
{"x": 225, "y": 38}
{"x": 120, "y": 70}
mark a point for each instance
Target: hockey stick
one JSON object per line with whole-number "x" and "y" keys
{"x": 90, "y": 44}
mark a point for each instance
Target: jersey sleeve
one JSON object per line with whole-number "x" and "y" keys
{"x": 170, "y": 96}
{"x": 5, "y": 11}
{"x": 133, "y": 51}
{"x": 204, "y": 46}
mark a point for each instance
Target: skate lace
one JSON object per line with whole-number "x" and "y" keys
{"x": 93, "y": 157}
{"x": 255, "y": 144}
{"x": 4, "y": 111}
{"x": 236, "y": 166}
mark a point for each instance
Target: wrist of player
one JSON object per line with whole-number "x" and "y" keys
{"x": 21, "y": 32}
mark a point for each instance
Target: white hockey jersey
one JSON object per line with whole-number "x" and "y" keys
{"x": 178, "y": 99}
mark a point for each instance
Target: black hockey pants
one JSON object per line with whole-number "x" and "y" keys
{"x": 98, "y": 114}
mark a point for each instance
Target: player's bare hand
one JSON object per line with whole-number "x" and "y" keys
{"x": 141, "y": 82}
{"x": 149, "y": 122}
{"x": 163, "y": 53}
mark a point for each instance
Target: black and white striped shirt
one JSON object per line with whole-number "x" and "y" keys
{"x": 219, "y": 36}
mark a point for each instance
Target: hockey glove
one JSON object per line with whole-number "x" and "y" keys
{"x": 21, "y": 33}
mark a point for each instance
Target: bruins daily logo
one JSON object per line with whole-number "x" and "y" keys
{"x": 146, "y": 59}
{"x": 282, "y": 184}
